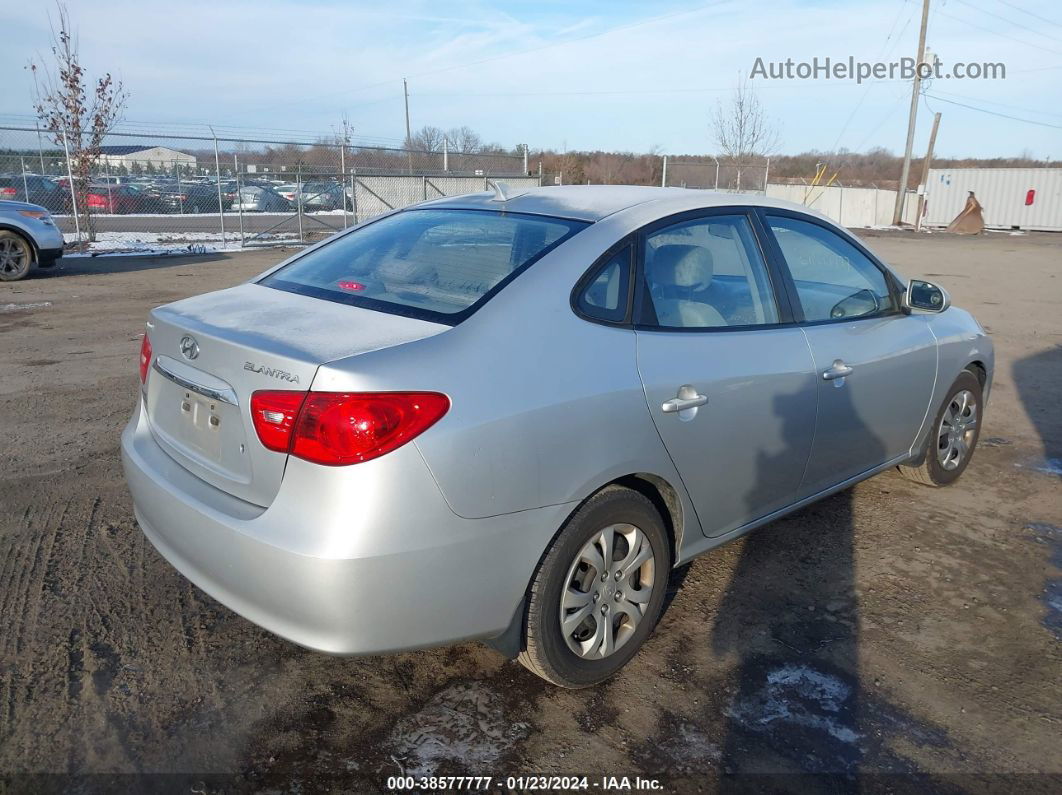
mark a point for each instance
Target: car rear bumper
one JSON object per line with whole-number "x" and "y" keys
{"x": 339, "y": 563}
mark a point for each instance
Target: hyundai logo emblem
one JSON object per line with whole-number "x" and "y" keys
{"x": 189, "y": 347}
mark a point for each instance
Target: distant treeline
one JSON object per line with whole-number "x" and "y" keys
{"x": 878, "y": 167}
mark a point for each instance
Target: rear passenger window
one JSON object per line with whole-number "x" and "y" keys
{"x": 708, "y": 273}
{"x": 834, "y": 279}
{"x": 605, "y": 297}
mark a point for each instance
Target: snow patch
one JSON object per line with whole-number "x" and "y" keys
{"x": 798, "y": 695}
{"x": 20, "y": 307}
{"x": 464, "y": 723}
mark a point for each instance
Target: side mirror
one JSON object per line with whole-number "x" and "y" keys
{"x": 925, "y": 297}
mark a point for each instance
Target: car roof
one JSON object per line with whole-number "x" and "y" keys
{"x": 594, "y": 202}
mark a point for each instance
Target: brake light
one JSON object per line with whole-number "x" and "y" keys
{"x": 8, "y": 191}
{"x": 340, "y": 428}
{"x": 145, "y": 358}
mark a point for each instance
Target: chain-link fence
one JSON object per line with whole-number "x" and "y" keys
{"x": 175, "y": 191}
{"x": 717, "y": 174}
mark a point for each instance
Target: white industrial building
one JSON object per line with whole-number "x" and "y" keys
{"x": 143, "y": 156}
{"x": 1011, "y": 198}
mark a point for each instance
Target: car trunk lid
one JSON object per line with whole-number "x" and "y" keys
{"x": 213, "y": 351}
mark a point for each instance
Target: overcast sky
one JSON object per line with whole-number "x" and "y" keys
{"x": 577, "y": 75}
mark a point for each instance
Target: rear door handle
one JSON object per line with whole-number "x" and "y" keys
{"x": 838, "y": 370}
{"x": 682, "y": 403}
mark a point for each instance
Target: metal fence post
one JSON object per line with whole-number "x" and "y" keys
{"x": 354, "y": 194}
{"x": 239, "y": 193}
{"x": 217, "y": 168}
{"x": 423, "y": 188}
{"x": 73, "y": 193}
{"x": 177, "y": 173}
{"x": 25, "y": 185}
{"x": 716, "y": 159}
{"x": 766, "y": 171}
{"x": 525, "y": 158}
{"x": 298, "y": 203}
{"x": 342, "y": 175}
{"x": 446, "y": 154}
{"x": 663, "y": 174}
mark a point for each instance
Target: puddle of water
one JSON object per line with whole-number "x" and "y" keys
{"x": 464, "y": 723}
{"x": 1049, "y": 466}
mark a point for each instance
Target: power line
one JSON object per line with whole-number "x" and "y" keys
{"x": 1030, "y": 13}
{"x": 998, "y": 33}
{"x": 1008, "y": 20}
{"x": 995, "y": 113}
{"x": 881, "y": 55}
{"x": 999, "y": 104}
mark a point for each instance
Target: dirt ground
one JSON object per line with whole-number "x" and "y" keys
{"x": 890, "y": 637}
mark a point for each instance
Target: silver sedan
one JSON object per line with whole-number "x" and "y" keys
{"x": 507, "y": 418}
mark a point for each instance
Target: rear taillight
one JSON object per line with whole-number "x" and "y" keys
{"x": 145, "y": 358}
{"x": 339, "y": 428}
{"x": 8, "y": 192}
{"x": 274, "y": 414}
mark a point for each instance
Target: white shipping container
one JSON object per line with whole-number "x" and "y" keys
{"x": 1012, "y": 198}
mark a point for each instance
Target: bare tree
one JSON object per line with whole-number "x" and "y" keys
{"x": 66, "y": 111}
{"x": 464, "y": 140}
{"x": 742, "y": 129}
{"x": 427, "y": 139}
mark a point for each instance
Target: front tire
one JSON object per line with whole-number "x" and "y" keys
{"x": 953, "y": 435}
{"x": 16, "y": 256}
{"x": 599, "y": 590}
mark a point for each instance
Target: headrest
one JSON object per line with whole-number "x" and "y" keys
{"x": 681, "y": 265}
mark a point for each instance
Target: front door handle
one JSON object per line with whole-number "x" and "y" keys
{"x": 684, "y": 401}
{"x": 838, "y": 370}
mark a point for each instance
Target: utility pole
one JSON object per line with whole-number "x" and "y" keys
{"x": 901, "y": 193}
{"x": 925, "y": 172}
{"x": 409, "y": 137}
{"x": 405, "y": 91}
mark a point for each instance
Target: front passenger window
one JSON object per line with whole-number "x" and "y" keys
{"x": 834, "y": 279}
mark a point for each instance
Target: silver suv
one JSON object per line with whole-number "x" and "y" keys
{"x": 28, "y": 238}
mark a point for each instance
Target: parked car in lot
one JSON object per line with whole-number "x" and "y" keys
{"x": 35, "y": 189}
{"x": 121, "y": 200}
{"x": 28, "y": 239}
{"x": 509, "y": 418}
{"x": 318, "y": 196}
{"x": 258, "y": 199}
{"x": 192, "y": 198}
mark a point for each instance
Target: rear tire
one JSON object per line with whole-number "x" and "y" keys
{"x": 616, "y": 603}
{"x": 953, "y": 435}
{"x": 16, "y": 256}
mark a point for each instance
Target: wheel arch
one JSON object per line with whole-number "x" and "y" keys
{"x": 664, "y": 497}
{"x": 978, "y": 368}
{"x": 5, "y": 227}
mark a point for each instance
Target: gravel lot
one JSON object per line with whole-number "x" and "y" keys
{"x": 890, "y": 630}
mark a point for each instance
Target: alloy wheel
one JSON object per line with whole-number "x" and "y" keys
{"x": 15, "y": 256}
{"x": 958, "y": 428}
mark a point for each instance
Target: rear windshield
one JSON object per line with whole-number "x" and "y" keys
{"x": 434, "y": 264}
